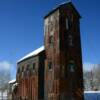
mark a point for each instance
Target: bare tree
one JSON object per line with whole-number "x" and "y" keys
{"x": 97, "y": 76}
{"x": 92, "y": 78}
{"x": 4, "y": 79}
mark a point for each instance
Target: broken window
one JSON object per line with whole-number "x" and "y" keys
{"x": 22, "y": 71}
{"x": 69, "y": 22}
{"x": 71, "y": 66}
{"x": 18, "y": 71}
{"x": 50, "y": 65}
{"x": 33, "y": 66}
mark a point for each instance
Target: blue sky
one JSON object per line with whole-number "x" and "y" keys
{"x": 21, "y": 28}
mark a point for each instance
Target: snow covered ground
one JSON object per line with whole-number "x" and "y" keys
{"x": 4, "y": 97}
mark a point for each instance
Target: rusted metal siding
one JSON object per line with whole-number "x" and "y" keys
{"x": 72, "y": 85}
{"x": 26, "y": 79}
{"x": 63, "y": 82}
{"x": 29, "y": 80}
{"x": 52, "y": 55}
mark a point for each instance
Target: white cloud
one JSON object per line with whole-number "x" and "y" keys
{"x": 89, "y": 66}
{"x": 5, "y": 65}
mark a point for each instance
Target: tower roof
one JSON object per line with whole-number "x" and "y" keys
{"x": 70, "y": 4}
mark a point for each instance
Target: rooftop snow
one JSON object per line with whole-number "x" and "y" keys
{"x": 12, "y": 81}
{"x": 33, "y": 53}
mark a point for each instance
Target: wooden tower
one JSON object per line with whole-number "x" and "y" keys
{"x": 63, "y": 64}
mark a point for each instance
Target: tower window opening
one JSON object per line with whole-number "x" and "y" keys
{"x": 71, "y": 67}
{"x": 70, "y": 40}
{"x": 51, "y": 40}
{"x": 67, "y": 26}
{"x": 69, "y": 23}
{"x": 50, "y": 65}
